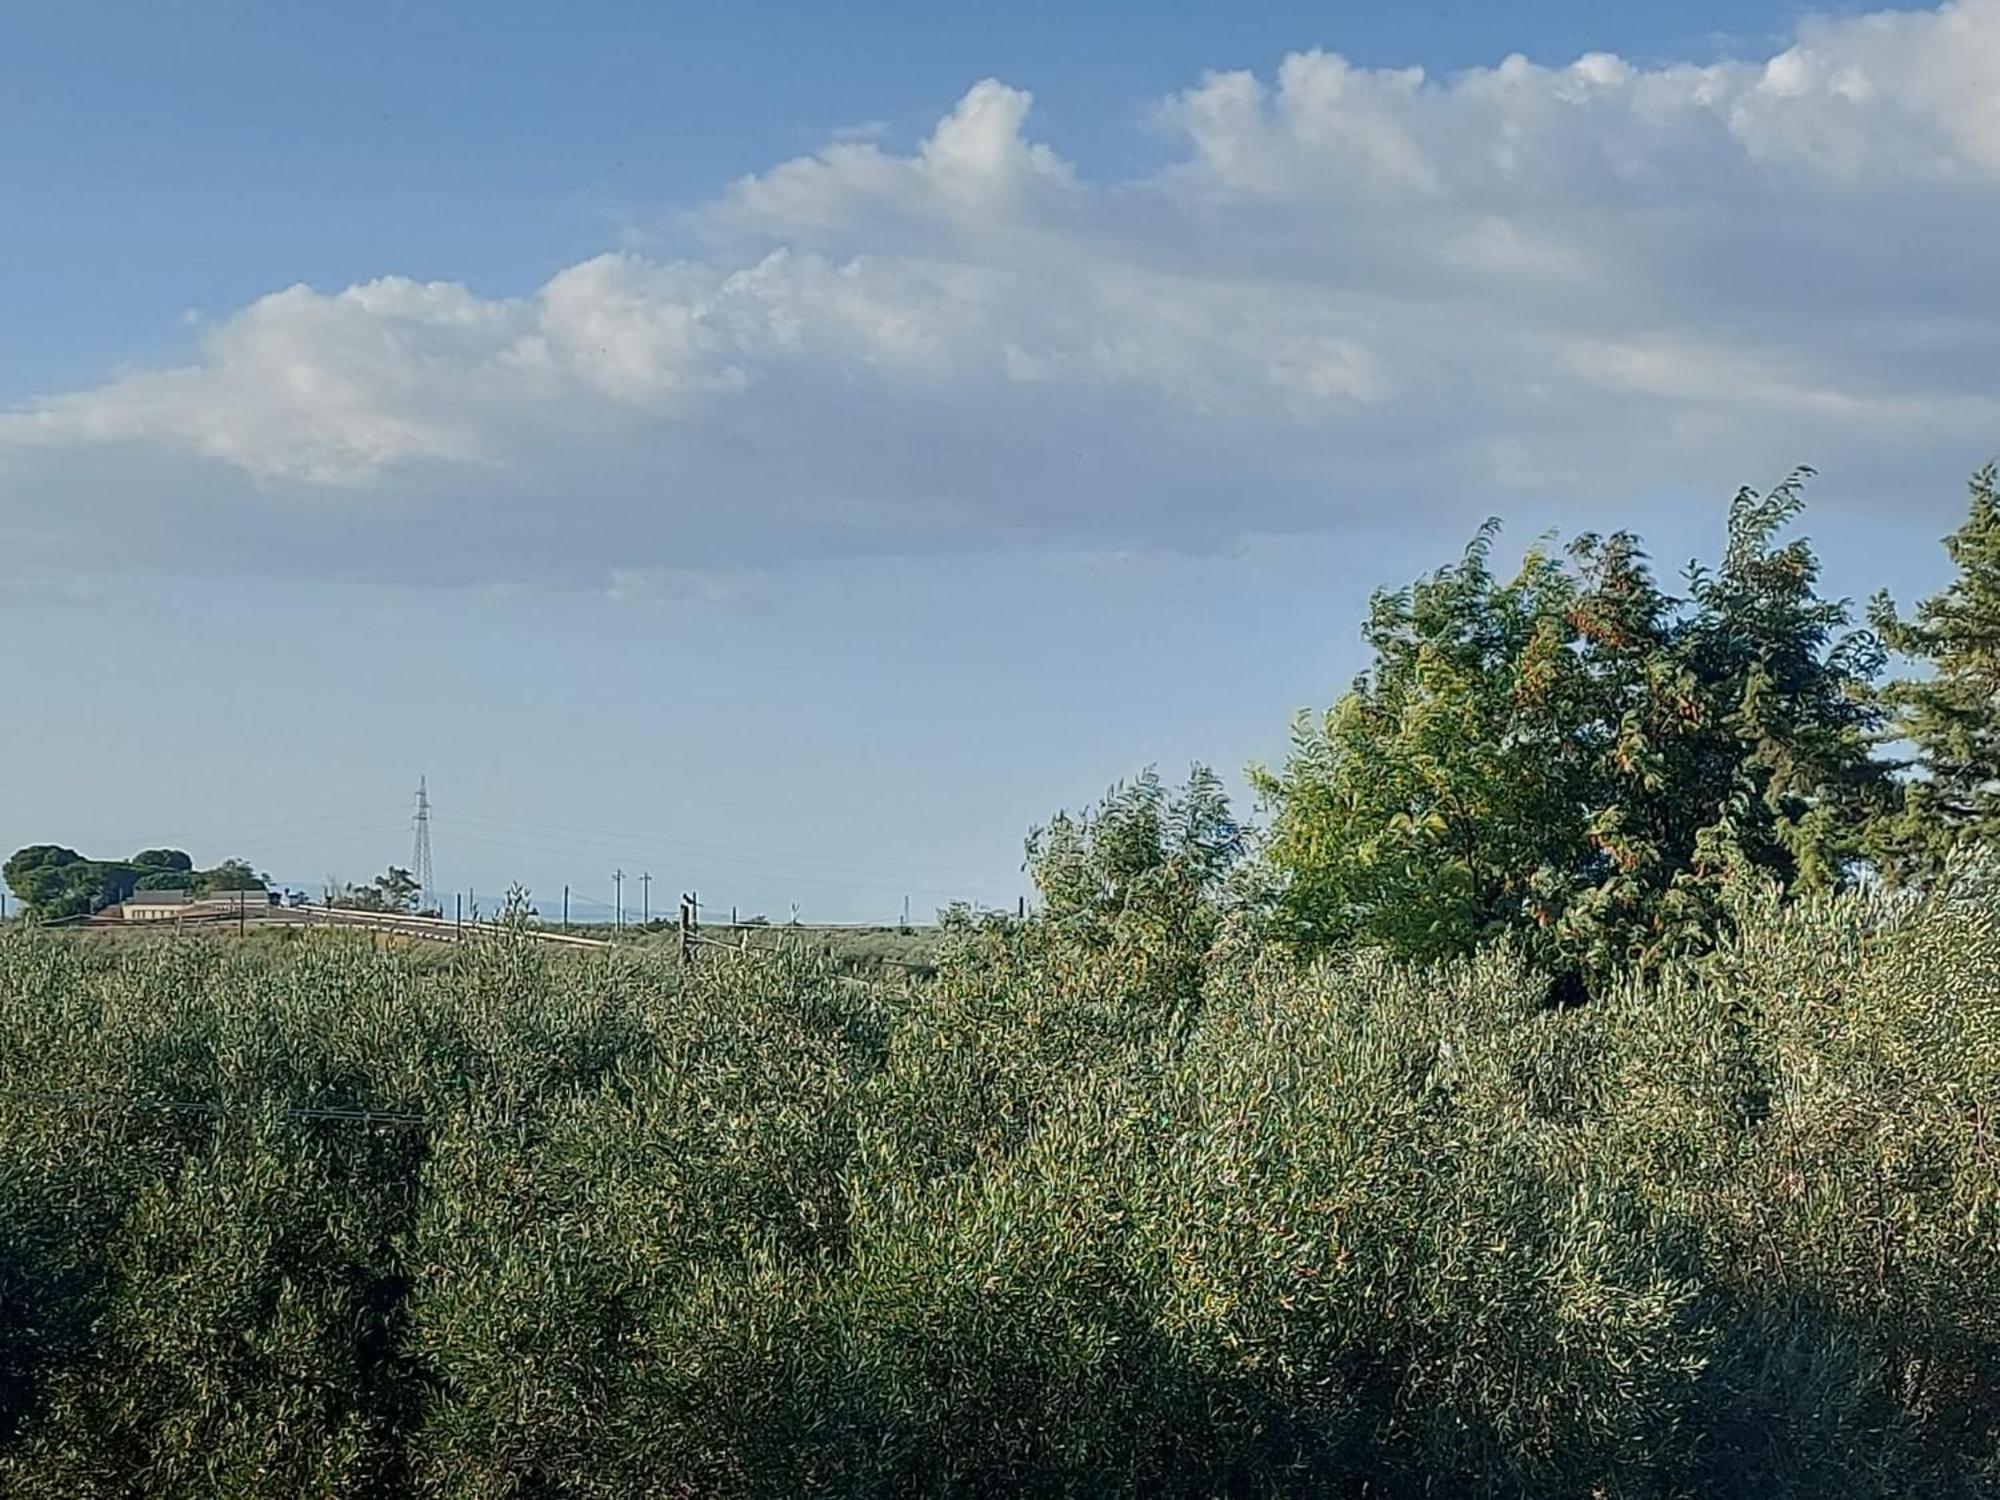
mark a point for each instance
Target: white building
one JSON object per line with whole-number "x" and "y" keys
{"x": 156, "y": 906}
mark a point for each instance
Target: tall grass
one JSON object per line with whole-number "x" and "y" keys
{"x": 1066, "y": 1219}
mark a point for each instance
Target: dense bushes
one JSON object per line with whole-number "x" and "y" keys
{"x": 1058, "y": 1221}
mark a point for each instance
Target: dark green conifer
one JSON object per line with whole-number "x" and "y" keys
{"x": 1950, "y": 715}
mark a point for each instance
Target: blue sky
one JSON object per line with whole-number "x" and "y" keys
{"x": 494, "y": 142}
{"x": 792, "y": 449}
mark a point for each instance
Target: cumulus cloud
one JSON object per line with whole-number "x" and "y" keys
{"x": 1351, "y": 292}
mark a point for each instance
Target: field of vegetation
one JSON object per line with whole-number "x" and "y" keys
{"x": 1068, "y": 1219}
{"x": 1586, "y": 1084}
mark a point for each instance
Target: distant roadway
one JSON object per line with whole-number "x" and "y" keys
{"x": 220, "y": 912}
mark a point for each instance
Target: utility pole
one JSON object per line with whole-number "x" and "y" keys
{"x": 458, "y": 915}
{"x": 687, "y": 931}
{"x": 906, "y": 911}
{"x": 646, "y": 898}
{"x": 618, "y": 906}
{"x": 241, "y": 901}
{"x": 565, "y": 908}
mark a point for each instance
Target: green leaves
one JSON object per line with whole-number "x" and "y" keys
{"x": 1560, "y": 757}
{"x": 1143, "y": 877}
{"x": 761, "y": 1229}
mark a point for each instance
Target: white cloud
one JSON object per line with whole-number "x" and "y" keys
{"x": 304, "y": 386}
{"x": 1351, "y": 290}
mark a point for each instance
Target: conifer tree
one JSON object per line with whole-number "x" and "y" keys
{"x": 1950, "y": 716}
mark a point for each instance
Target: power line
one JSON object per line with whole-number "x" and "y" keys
{"x": 627, "y": 841}
{"x": 301, "y": 820}
{"x": 831, "y": 872}
{"x": 561, "y": 848}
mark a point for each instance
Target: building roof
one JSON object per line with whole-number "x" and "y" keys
{"x": 159, "y": 898}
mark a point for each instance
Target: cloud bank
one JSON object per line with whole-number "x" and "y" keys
{"x": 1351, "y": 295}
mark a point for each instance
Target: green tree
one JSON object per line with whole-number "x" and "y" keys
{"x": 54, "y": 882}
{"x": 1142, "y": 878}
{"x": 1791, "y": 680}
{"x": 1577, "y": 759}
{"x": 1950, "y": 716}
{"x": 1418, "y": 810}
{"x": 1142, "y": 847}
{"x": 396, "y": 889}
{"x": 168, "y": 860}
{"x": 45, "y": 878}
{"x": 231, "y": 875}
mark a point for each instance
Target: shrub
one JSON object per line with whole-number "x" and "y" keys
{"x": 1049, "y": 1223}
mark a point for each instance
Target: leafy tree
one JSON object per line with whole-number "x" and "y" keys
{"x": 399, "y": 889}
{"x": 162, "y": 859}
{"x": 1142, "y": 848}
{"x": 1577, "y": 759}
{"x": 1744, "y": 744}
{"x": 1951, "y": 715}
{"x": 1415, "y": 813}
{"x": 54, "y": 882}
{"x": 109, "y": 883}
{"x": 395, "y": 889}
{"x": 1142, "y": 877}
{"x": 231, "y": 875}
{"x": 1791, "y": 680}
{"x": 42, "y": 876}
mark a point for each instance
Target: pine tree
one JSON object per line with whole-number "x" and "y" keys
{"x": 1950, "y": 717}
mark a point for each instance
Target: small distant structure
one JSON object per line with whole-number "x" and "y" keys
{"x": 156, "y": 906}
{"x": 167, "y": 906}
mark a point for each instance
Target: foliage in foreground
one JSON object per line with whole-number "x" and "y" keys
{"x": 1082, "y": 1215}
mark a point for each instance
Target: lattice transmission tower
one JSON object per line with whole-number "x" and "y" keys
{"x": 420, "y": 859}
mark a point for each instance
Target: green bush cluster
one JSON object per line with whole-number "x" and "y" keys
{"x": 1076, "y": 1216}
{"x": 1584, "y": 761}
